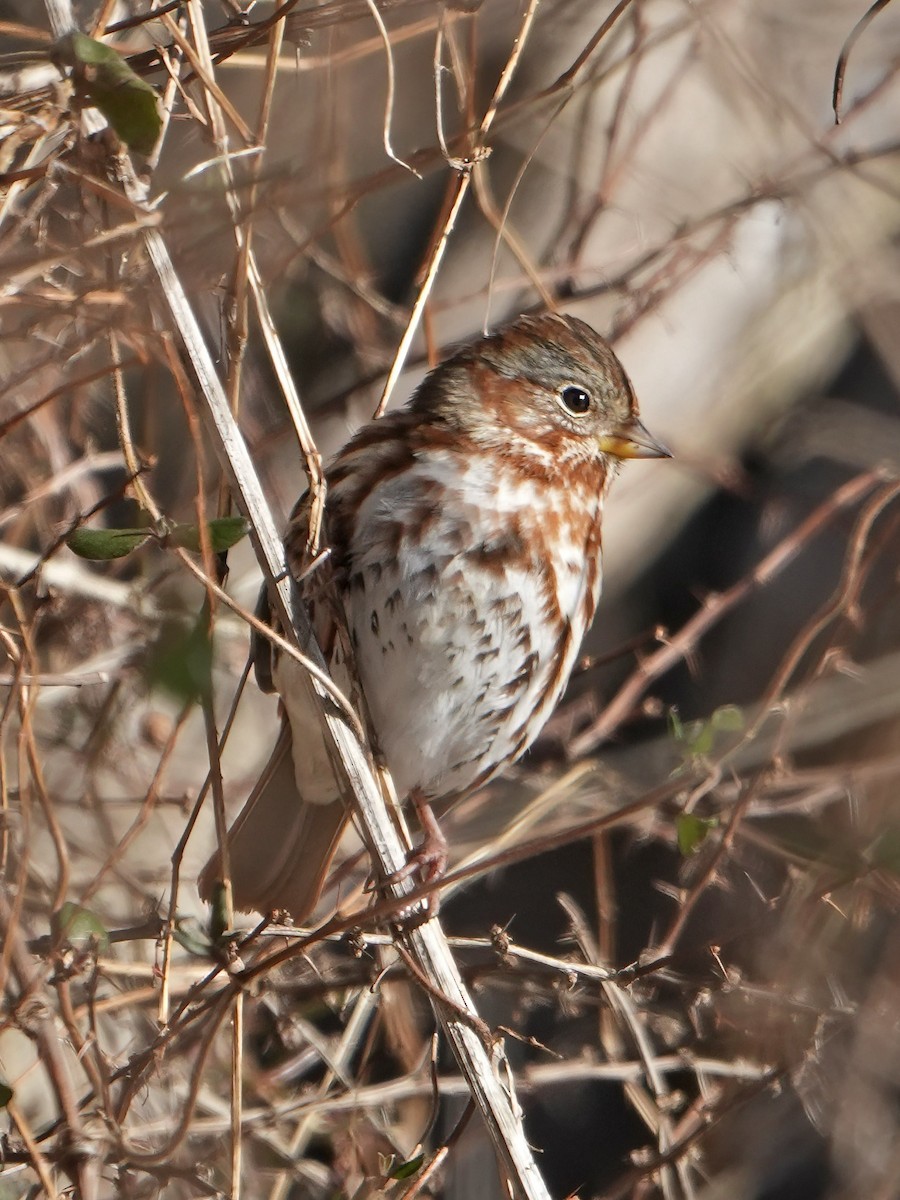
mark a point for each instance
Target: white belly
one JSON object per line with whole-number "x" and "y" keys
{"x": 458, "y": 659}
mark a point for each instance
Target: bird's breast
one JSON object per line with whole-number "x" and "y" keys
{"x": 467, "y": 595}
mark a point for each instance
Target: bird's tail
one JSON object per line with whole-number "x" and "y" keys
{"x": 281, "y": 846}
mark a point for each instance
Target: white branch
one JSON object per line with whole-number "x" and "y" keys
{"x": 428, "y": 946}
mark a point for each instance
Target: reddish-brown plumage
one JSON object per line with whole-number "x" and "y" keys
{"x": 465, "y": 538}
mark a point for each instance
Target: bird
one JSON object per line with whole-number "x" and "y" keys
{"x": 464, "y": 569}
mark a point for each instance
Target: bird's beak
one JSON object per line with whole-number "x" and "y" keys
{"x": 632, "y": 441}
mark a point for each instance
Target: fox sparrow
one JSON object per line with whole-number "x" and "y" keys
{"x": 465, "y": 552}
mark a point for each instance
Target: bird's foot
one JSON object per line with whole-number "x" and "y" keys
{"x": 428, "y": 861}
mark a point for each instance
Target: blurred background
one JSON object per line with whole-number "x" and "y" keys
{"x": 714, "y": 804}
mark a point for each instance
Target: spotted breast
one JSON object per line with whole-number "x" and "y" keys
{"x": 466, "y": 534}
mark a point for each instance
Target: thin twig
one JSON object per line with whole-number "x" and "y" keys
{"x": 80, "y": 1159}
{"x": 391, "y": 88}
{"x": 713, "y": 609}
{"x": 363, "y": 1010}
{"x": 461, "y": 187}
{"x": 855, "y": 34}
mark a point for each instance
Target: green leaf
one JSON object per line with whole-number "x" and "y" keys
{"x": 188, "y": 934}
{"x": 698, "y": 738}
{"x": 224, "y": 532}
{"x": 407, "y": 1169}
{"x": 675, "y": 725}
{"x": 218, "y": 913}
{"x": 6, "y": 1093}
{"x": 180, "y": 661}
{"x": 693, "y": 832}
{"x": 79, "y": 926}
{"x": 727, "y": 719}
{"x": 105, "y": 544}
{"x": 885, "y": 852}
{"x": 105, "y": 81}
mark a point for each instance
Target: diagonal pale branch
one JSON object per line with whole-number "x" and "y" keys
{"x": 428, "y": 951}
{"x": 427, "y": 945}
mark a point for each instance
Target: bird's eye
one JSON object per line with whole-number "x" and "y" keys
{"x": 575, "y": 400}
